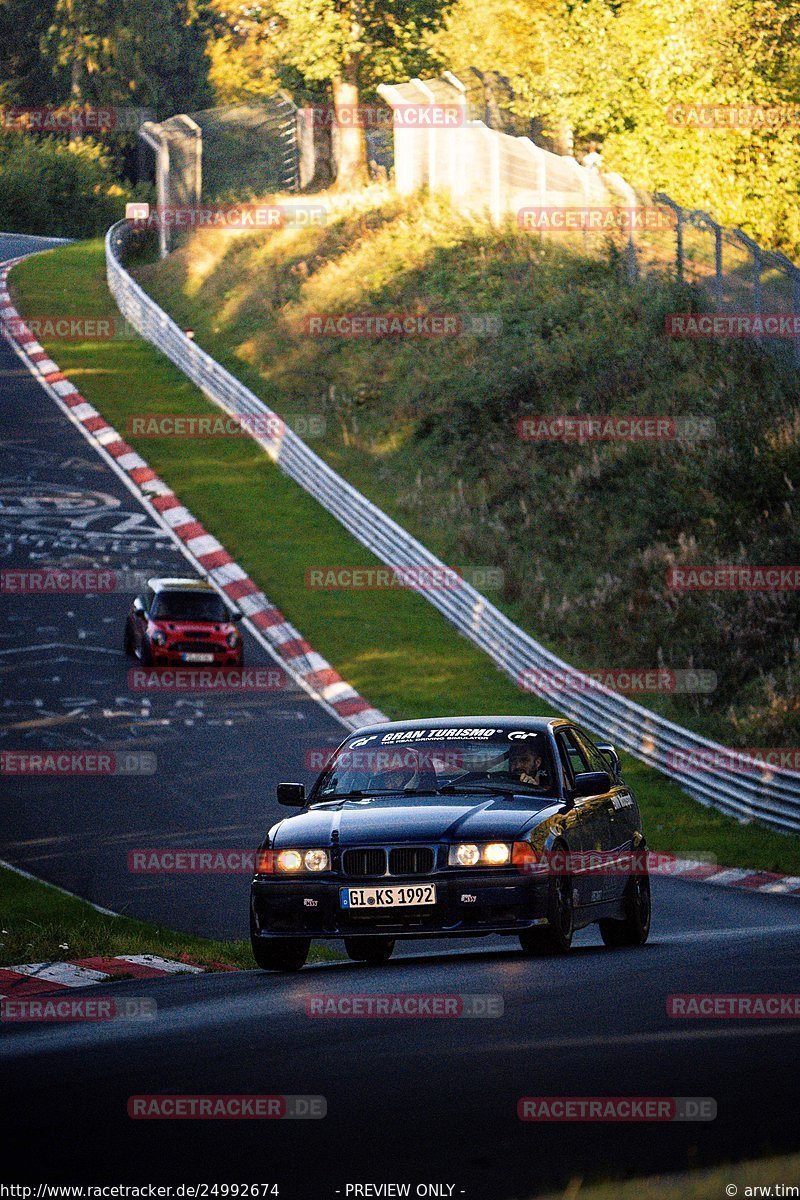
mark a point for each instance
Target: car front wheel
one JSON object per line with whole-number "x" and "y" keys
{"x": 280, "y": 954}
{"x": 556, "y": 936}
{"x": 373, "y": 950}
{"x": 633, "y": 930}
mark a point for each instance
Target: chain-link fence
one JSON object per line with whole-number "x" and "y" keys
{"x": 239, "y": 152}
{"x": 473, "y": 149}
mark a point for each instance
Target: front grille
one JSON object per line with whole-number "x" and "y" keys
{"x": 364, "y": 862}
{"x": 411, "y": 860}
{"x": 195, "y": 648}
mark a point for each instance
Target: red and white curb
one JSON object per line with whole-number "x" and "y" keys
{"x": 286, "y": 644}
{"x": 739, "y": 877}
{"x": 31, "y": 979}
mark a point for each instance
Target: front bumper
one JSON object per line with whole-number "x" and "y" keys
{"x": 223, "y": 656}
{"x": 467, "y": 904}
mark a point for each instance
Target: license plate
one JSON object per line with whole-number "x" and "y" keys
{"x": 388, "y": 897}
{"x": 190, "y": 657}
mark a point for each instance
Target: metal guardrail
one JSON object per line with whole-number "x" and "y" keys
{"x": 748, "y": 791}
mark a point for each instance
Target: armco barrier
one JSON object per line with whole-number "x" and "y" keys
{"x": 767, "y": 794}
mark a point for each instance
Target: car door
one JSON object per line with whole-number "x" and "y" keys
{"x": 619, "y": 809}
{"x": 592, "y": 817}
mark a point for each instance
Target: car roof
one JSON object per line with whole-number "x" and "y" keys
{"x": 532, "y": 723}
{"x": 180, "y": 585}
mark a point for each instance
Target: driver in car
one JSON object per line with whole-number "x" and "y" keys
{"x": 525, "y": 765}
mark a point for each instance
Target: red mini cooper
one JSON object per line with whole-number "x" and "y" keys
{"x": 182, "y": 621}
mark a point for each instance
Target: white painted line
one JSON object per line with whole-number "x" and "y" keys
{"x": 731, "y": 875}
{"x": 160, "y": 964}
{"x": 64, "y": 973}
{"x": 204, "y": 544}
{"x": 176, "y": 516}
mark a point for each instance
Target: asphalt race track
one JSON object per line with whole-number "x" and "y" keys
{"x": 429, "y": 1099}
{"x": 423, "y": 1100}
{"x": 64, "y": 686}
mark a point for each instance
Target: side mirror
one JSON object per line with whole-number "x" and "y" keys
{"x": 293, "y": 794}
{"x": 138, "y": 605}
{"x": 611, "y": 754}
{"x": 592, "y": 783}
{"x": 237, "y": 616}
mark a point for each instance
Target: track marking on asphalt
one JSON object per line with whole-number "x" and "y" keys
{"x": 621, "y": 1039}
{"x": 147, "y": 506}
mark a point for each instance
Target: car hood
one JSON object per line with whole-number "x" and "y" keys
{"x": 413, "y": 819}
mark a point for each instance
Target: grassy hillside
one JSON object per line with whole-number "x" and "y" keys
{"x": 584, "y": 534}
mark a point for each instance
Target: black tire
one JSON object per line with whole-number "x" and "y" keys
{"x": 373, "y": 950}
{"x": 127, "y": 642}
{"x": 280, "y": 954}
{"x": 556, "y": 936}
{"x": 634, "y": 928}
{"x": 146, "y": 653}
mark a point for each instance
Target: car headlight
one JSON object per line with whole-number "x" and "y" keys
{"x": 316, "y": 860}
{"x": 158, "y": 637}
{"x": 469, "y": 854}
{"x": 289, "y": 862}
{"x": 232, "y": 639}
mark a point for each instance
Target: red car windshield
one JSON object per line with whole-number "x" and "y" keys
{"x": 189, "y": 606}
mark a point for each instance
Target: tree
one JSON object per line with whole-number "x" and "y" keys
{"x": 347, "y": 46}
{"x": 145, "y": 53}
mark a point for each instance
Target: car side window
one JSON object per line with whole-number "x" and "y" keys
{"x": 596, "y": 760}
{"x": 572, "y": 757}
{"x": 149, "y": 600}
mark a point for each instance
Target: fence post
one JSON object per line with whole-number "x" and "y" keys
{"x": 756, "y": 252}
{"x": 718, "y": 265}
{"x": 153, "y": 135}
{"x": 495, "y": 193}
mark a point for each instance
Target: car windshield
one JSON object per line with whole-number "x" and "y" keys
{"x": 189, "y": 606}
{"x": 431, "y": 761}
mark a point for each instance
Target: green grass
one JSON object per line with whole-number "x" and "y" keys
{"x": 39, "y": 923}
{"x": 395, "y": 648}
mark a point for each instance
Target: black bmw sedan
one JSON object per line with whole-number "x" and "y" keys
{"x": 454, "y": 827}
